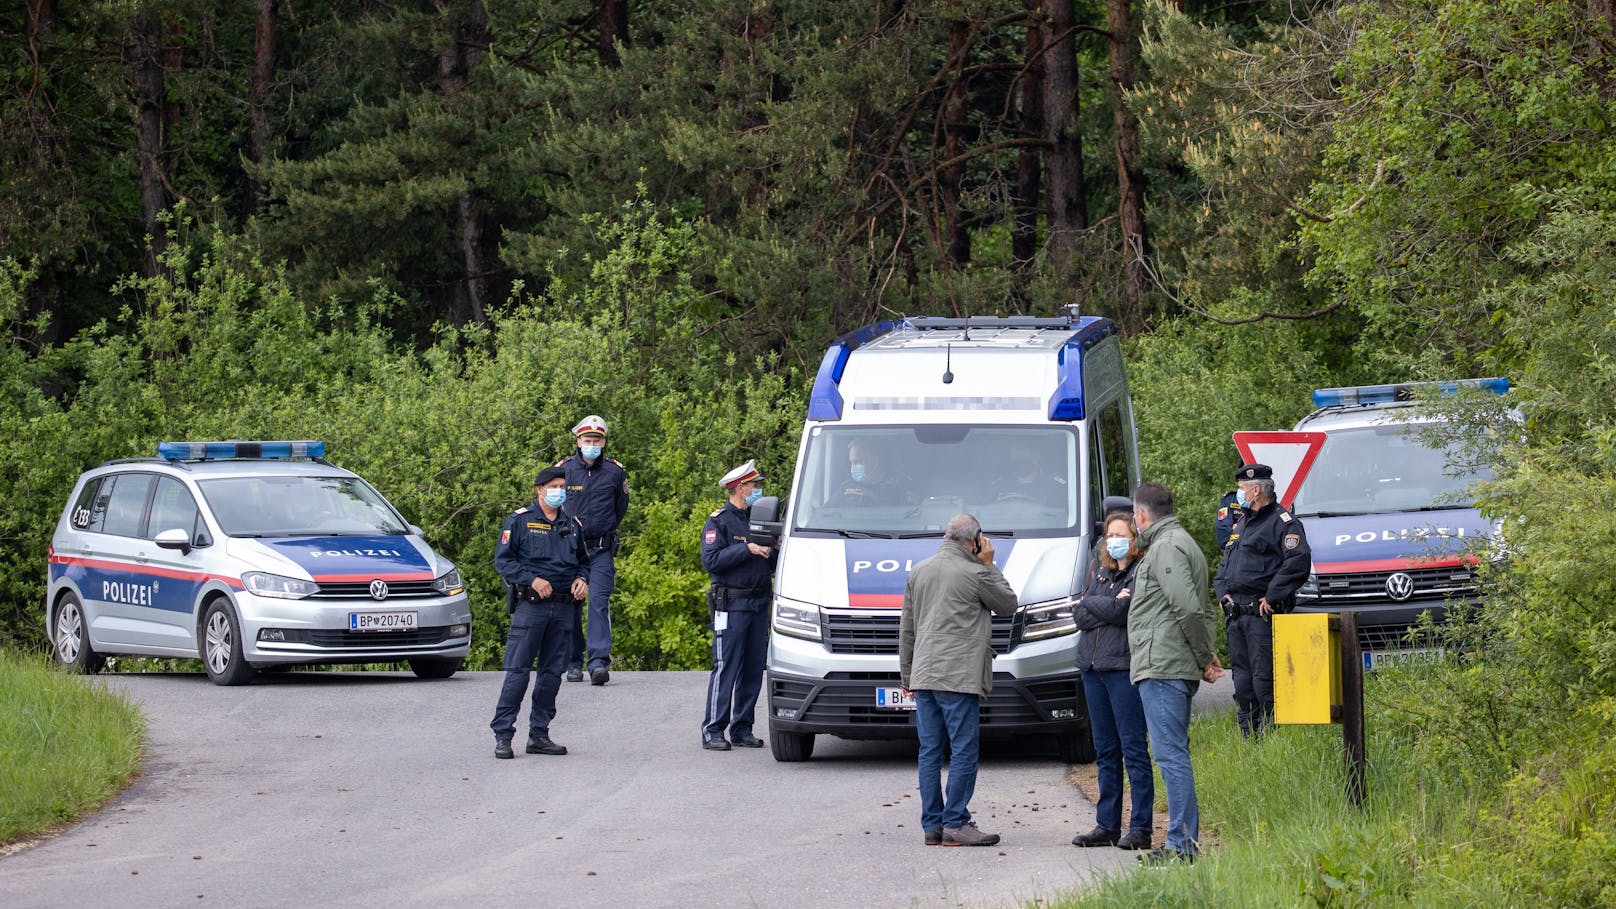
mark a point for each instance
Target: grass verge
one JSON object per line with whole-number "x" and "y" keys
{"x": 66, "y": 745}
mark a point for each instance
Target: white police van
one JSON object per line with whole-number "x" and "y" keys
{"x": 1390, "y": 519}
{"x": 1025, "y": 423}
{"x": 247, "y": 555}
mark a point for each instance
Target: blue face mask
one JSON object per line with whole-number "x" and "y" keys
{"x": 554, "y": 496}
{"x": 1117, "y": 547}
{"x": 590, "y": 452}
{"x": 859, "y": 475}
{"x": 1240, "y": 497}
{"x": 753, "y": 496}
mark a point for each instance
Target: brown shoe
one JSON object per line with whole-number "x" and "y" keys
{"x": 968, "y": 835}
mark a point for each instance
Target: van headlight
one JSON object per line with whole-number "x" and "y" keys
{"x": 449, "y": 584}
{"x": 799, "y": 620}
{"x": 279, "y": 586}
{"x": 1309, "y": 589}
{"x": 1049, "y": 619}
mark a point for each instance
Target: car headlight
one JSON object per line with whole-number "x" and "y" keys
{"x": 799, "y": 620}
{"x": 449, "y": 584}
{"x": 1049, "y": 619}
{"x": 279, "y": 586}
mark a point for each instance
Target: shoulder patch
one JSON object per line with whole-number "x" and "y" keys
{"x": 1292, "y": 540}
{"x": 716, "y": 513}
{"x": 505, "y": 536}
{"x": 1285, "y": 516}
{"x": 711, "y": 536}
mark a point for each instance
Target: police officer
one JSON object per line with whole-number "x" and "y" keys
{"x": 1228, "y": 511}
{"x": 1264, "y": 562}
{"x": 739, "y": 602}
{"x": 540, "y": 554}
{"x": 870, "y": 480}
{"x": 597, "y": 495}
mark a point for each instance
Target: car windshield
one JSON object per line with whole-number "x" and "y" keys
{"x": 909, "y": 480}
{"x": 289, "y": 506}
{"x": 1383, "y": 468}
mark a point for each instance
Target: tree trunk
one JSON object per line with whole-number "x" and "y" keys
{"x": 1029, "y": 176}
{"x": 1124, "y": 58}
{"x": 41, "y": 23}
{"x": 612, "y": 18}
{"x": 142, "y": 52}
{"x": 466, "y": 41}
{"x": 951, "y": 179}
{"x": 263, "y": 76}
{"x": 1064, "y": 189}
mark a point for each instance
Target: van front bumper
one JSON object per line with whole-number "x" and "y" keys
{"x": 843, "y": 704}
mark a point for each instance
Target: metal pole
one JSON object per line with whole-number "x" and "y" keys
{"x": 1352, "y": 704}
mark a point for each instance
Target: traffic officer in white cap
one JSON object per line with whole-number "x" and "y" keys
{"x": 597, "y": 495}
{"x": 739, "y": 602}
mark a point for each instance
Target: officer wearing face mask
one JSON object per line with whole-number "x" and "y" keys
{"x": 739, "y": 600}
{"x": 870, "y": 480}
{"x": 597, "y": 495}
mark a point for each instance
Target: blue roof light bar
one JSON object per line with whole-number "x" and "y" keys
{"x": 209, "y": 451}
{"x": 1067, "y": 402}
{"x": 1402, "y": 391}
{"x": 825, "y": 400}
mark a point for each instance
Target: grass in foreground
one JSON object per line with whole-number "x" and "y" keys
{"x": 66, "y": 745}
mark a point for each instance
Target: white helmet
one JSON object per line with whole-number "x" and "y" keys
{"x": 591, "y": 423}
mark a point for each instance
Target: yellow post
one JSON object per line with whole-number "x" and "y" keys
{"x": 1307, "y": 670}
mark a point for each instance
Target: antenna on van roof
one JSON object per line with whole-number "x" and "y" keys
{"x": 948, "y": 361}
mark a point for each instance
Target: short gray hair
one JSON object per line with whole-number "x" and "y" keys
{"x": 962, "y": 528}
{"x": 1266, "y": 487}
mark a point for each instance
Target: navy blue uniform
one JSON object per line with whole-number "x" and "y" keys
{"x": 1266, "y": 557}
{"x": 597, "y": 495}
{"x": 1228, "y": 514}
{"x": 531, "y": 546}
{"x": 741, "y": 595}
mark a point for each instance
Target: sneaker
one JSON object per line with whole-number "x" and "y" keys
{"x": 1134, "y": 839}
{"x": 1163, "y": 857}
{"x": 575, "y": 674}
{"x": 541, "y": 744}
{"x": 968, "y": 835}
{"x": 1099, "y": 836}
{"x": 502, "y": 749}
{"x": 934, "y": 837}
{"x": 599, "y": 676}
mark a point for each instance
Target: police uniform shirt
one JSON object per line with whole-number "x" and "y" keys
{"x": 726, "y": 556}
{"x": 1267, "y": 556}
{"x": 597, "y": 494}
{"x": 1228, "y": 516}
{"x": 532, "y": 546}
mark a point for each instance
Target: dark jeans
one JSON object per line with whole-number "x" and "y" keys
{"x": 947, "y": 721}
{"x": 739, "y": 651}
{"x": 602, "y": 575}
{"x": 1117, "y": 722}
{"x": 1251, "y": 664}
{"x": 539, "y": 631}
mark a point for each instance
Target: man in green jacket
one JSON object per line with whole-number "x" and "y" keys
{"x": 945, "y": 655}
{"x": 1170, "y": 635}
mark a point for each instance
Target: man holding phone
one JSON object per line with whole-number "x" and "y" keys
{"x": 945, "y": 656}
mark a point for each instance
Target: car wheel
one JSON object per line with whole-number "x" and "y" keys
{"x": 221, "y": 646}
{"x": 72, "y": 638}
{"x": 791, "y": 747}
{"x": 435, "y": 667}
{"x": 1075, "y": 747}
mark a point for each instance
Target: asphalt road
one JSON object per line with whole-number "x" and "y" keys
{"x": 379, "y": 789}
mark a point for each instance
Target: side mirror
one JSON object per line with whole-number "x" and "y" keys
{"x": 765, "y": 525}
{"x": 175, "y": 538}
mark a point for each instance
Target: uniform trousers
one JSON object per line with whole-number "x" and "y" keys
{"x": 602, "y": 578}
{"x": 1251, "y": 664}
{"x": 540, "y": 632}
{"x": 740, "y": 646}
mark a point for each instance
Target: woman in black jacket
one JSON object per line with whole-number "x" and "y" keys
{"x": 1116, "y": 716}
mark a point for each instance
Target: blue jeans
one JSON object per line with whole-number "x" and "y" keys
{"x": 1167, "y": 716}
{"x": 947, "y": 719}
{"x": 602, "y": 576}
{"x": 1117, "y": 722}
{"x": 539, "y": 632}
{"x": 740, "y": 651}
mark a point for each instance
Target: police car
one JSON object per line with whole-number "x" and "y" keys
{"x": 249, "y": 556}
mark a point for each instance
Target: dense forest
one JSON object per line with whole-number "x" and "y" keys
{"x": 436, "y": 234}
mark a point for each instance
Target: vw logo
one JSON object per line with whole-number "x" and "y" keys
{"x": 1400, "y": 586}
{"x": 378, "y": 589}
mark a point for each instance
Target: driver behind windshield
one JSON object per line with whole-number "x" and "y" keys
{"x": 870, "y": 478}
{"x": 1025, "y": 478}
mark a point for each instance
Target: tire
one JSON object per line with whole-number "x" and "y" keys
{"x": 70, "y": 638}
{"x": 221, "y": 646}
{"x": 1076, "y": 747}
{"x": 435, "y": 667}
{"x": 791, "y": 747}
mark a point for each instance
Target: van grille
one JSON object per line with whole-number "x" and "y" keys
{"x": 845, "y": 632}
{"x": 1429, "y": 584}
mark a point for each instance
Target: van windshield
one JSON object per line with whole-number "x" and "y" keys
{"x": 283, "y": 506}
{"x": 1383, "y": 468}
{"x": 909, "y": 480}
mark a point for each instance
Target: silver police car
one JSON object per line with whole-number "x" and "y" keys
{"x": 249, "y": 556}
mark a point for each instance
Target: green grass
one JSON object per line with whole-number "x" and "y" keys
{"x": 66, "y": 745}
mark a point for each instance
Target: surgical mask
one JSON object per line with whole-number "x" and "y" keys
{"x": 554, "y": 496}
{"x": 590, "y": 452}
{"x": 1117, "y": 547}
{"x": 753, "y": 496}
{"x": 1240, "y": 497}
{"x": 858, "y": 473}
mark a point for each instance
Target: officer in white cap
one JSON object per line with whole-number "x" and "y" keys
{"x": 739, "y": 600}
{"x": 597, "y": 495}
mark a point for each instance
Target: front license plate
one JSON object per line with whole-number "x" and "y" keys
{"x": 382, "y": 621}
{"x": 1381, "y": 659}
{"x": 894, "y": 699}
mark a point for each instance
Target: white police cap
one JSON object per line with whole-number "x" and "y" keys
{"x": 591, "y": 423}
{"x": 741, "y": 474}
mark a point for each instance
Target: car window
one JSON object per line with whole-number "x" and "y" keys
{"x": 172, "y": 508}
{"x": 286, "y": 506}
{"x": 127, "y": 504}
{"x": 90, "y": 509}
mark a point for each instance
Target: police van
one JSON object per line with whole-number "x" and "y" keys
{"x": 248, "y": 556}
{"x": 1390, "y": 518}
{"x": 1025, "y": 423}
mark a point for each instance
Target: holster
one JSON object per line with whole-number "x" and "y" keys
{"x": 718, "y": 598}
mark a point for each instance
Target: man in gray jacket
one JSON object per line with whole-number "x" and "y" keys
{"x": 945, "y": 655}
{"x": 1170, "y": 636}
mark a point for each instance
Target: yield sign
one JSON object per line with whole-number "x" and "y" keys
{"x": 1290, "y": 454}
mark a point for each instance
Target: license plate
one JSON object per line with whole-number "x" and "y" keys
{"x": 1381, "y": 659}
{"x": 894, "y": 699}
{"x": 382, "y": 621}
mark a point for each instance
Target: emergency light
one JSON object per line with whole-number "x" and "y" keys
{"x": 1402, "y": 391}
{"x": 207, "y": 451}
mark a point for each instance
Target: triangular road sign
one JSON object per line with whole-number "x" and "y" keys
{"x": 1290, "y": 454}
